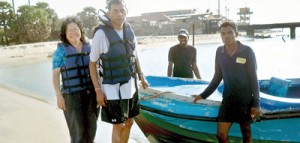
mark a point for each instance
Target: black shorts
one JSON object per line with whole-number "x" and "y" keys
{"x": 118, "y": 111}
{"x": 235, "y": 114}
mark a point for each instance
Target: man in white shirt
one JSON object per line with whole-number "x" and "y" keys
{"x": 114, "y": 47}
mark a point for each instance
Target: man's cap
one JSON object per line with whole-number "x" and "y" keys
{"x": 183, "y": 32}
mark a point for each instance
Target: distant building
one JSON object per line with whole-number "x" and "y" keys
{"x": 212, "y": 24}
{"x": 169, "y": 22}
{"x": 245, "y": 15}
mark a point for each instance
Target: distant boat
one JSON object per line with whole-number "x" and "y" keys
{"x": 168, "y": 115}
{"x": 262, "y": 36}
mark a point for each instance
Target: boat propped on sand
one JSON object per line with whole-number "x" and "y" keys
{"x": 168, "y": 113}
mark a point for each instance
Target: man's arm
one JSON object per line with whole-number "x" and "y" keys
{"x": 99, "y": 46}
{"x": 217, "y": 78}
{"x": 196, "y": 70}
{"x": 170, "y": 68}
{"x": 140, "y": 74}
{"x": 171, "y": 62}
{"x": 255, "y": 110}
{"x": 94, "y": 74}
{"x": 101, "y": 98}
{"x": 252, "y": 71}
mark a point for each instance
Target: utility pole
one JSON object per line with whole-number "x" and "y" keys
{"x": 226, "y": 9}
{"x": 219, "y": 8}
{"x": 13, "y": 5}
{"x": 29, "y": 2}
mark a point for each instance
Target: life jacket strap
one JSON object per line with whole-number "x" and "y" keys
{"x": 75, "y": 68}
{"x": 78, "y": 54}
{"x": 87, "y": 84}
{"x": 75, "y": 77}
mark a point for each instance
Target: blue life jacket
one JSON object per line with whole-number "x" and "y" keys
{"x": 75, "y": 73}
{"x": 118, "y": 63}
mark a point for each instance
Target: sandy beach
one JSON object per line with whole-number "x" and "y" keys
{"x": 45, "y": 49}
{"x": 27, "y": 120}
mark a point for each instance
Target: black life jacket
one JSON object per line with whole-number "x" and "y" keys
{"x": 75, "y": 73}
{"x": 118, "y": 63}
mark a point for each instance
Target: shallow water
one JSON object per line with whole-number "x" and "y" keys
{"x": 274, "y": 58}
{"x": 30, "y": 79}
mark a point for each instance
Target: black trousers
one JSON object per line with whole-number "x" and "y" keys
{"x": 81, "y": 115}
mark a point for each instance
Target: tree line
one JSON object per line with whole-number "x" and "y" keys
{"x": 37, "y": 23}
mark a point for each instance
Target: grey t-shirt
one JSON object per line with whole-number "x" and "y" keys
{"x": 183, "y": 58}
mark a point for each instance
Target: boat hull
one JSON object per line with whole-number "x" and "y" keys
{"x": 170, "y": 117}
{"x": 163, "y": 129}
{"x": 158, "y": 130}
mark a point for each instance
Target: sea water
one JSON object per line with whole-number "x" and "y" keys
{"x": 274, "y": 58}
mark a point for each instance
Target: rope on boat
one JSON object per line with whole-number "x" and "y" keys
{"x": 155, "y": 95}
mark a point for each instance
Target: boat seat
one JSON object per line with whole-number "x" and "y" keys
{"x": 278, "y": 87}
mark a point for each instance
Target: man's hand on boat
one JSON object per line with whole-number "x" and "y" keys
{"x": 255, "y": 112}
{"x": 144, "y": 82}
{"x": 197, "y": 97}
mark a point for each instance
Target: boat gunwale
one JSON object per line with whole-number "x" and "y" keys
{"x": 266, "y": 115}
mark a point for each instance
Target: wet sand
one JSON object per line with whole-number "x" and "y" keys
{"x": 27, "y": 120}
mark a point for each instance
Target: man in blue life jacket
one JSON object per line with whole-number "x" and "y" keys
{"x": 114, "y": 48}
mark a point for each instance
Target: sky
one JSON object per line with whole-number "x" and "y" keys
{"x": 264, "y": 11}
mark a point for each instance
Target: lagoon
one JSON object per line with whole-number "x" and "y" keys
{"x": 274, "y": 58}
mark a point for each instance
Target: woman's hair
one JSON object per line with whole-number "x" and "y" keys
{"x": 229, "y": 23}
{"x": 63, "y": 29}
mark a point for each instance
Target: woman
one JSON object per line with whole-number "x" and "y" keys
{"x": 76, "y": 96}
